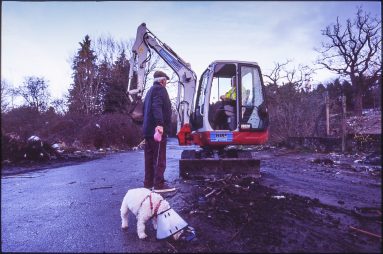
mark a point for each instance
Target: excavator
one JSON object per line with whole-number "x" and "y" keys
{"x": 217, "y": 129}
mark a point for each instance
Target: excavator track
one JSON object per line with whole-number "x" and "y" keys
{"x": 202, "y": 163}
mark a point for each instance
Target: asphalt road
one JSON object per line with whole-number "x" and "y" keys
{"x": 76, "y": 208}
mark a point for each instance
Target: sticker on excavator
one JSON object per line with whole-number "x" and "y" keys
{"x": 221, "y": 137}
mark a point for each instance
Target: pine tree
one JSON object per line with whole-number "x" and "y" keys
{"x": 115, "y": 99}
{"x": 84, "y": 95}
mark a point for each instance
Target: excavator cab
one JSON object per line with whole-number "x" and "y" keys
{"x": 230, "y": 104}
{"x": 229, "y": 111}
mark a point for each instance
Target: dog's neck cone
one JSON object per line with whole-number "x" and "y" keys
{"x": 169, "y": 223}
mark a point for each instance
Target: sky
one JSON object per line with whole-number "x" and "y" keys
{"x": 40, "y": 38}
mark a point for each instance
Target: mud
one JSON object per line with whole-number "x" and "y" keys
{"x": 304, "y": 202}
{"x": 260, "y": 219}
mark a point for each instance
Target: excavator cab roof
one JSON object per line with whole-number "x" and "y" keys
{"x": 226, "y": 68}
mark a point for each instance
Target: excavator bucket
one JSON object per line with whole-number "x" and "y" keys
{"x": 194, "y": 164}
{"x": 136, "y": 112}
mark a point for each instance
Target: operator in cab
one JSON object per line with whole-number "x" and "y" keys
{"x": 229, "y": 103}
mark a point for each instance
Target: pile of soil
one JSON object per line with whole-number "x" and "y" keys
{"x": 239, "y": 214}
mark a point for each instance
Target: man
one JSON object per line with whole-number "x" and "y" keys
{"x": 157, "y": 117}
{"x": 229, "y": 104}
{"x": 230, "y": 95}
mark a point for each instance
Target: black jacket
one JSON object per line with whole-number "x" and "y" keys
{"x": 157, "y": 110}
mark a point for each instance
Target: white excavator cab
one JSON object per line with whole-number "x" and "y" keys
{"x": 230, "y": 97}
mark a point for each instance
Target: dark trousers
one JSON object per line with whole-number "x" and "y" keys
{"x": 155, "y": 162}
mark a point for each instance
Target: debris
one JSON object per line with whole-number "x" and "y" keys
{"x": 105, "y": 187}
{"x": 188, "y": 234}
{"x": 202, "y": 201}
{"x": 34, "y": 138}
{"x": 278, "y": 197}
{"x": 365, "y": 232}
{"x": 323, "y": 161}
{"x": 174, "y": 248}
{"x": 56, "y": 146}
{"x": 368, "y": 212}
{"x": 210, "y": 193}
{"x": 236, "y": 234}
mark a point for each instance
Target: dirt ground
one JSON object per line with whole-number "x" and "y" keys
{"x": 304, "y": 202}
{"x": 277, "y": 213}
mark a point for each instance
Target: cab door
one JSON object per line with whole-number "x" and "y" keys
{"x": 253, "y": 114}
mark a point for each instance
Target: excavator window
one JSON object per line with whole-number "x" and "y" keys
{"x": 251, "y": 96}
{"x": 200, "y": 101}
{"x": 222, "y": 107}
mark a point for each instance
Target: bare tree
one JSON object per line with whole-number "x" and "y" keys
{"x": 354, "y": 51}
{"x": 59, "y": 105}
{"x": 35, "y": 92}
{"x": 301, "y": 76}
{"x": 277, "y": 73}
{"x": 6, "y": 93}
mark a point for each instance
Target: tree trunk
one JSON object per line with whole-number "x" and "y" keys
{"x": 358, "y": 103}
{"x": 357, "y": 83}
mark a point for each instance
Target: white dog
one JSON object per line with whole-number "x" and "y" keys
{"x": 145, "y": 205}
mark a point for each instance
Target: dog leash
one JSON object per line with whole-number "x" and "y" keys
{"x": 158, "y": 153}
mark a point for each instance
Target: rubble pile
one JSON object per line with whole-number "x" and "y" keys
{"x": 369, "y": 123}
{"x": 34, "y": 150}
{"x": 14, "y": 149}
{"x": 243, "y": 206}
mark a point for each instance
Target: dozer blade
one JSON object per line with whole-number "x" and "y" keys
{"x": 202, "y": 168}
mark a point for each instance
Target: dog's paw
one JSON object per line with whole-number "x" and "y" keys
{"x": 124, "y": 225}
{"x": 142, "y": 236}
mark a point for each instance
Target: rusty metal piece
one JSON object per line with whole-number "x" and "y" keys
{"x": 366, "y": 232}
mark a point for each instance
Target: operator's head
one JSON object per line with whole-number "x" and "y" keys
{"x": 160, "y": 77}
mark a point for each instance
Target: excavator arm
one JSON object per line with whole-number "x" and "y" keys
{"x": 141, "y": 53}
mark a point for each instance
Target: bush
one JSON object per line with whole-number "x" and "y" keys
{"x": 111, "y": 130}
{"x": 294, "y": 113}
{"x": 76, "y": 130}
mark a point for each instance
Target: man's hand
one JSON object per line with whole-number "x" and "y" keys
{"x": 160, "y": 129}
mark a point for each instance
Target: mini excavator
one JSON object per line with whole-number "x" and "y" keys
{"x": 217, "y": 129}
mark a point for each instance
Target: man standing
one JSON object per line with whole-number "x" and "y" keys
{"x": 157, "y": 117}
